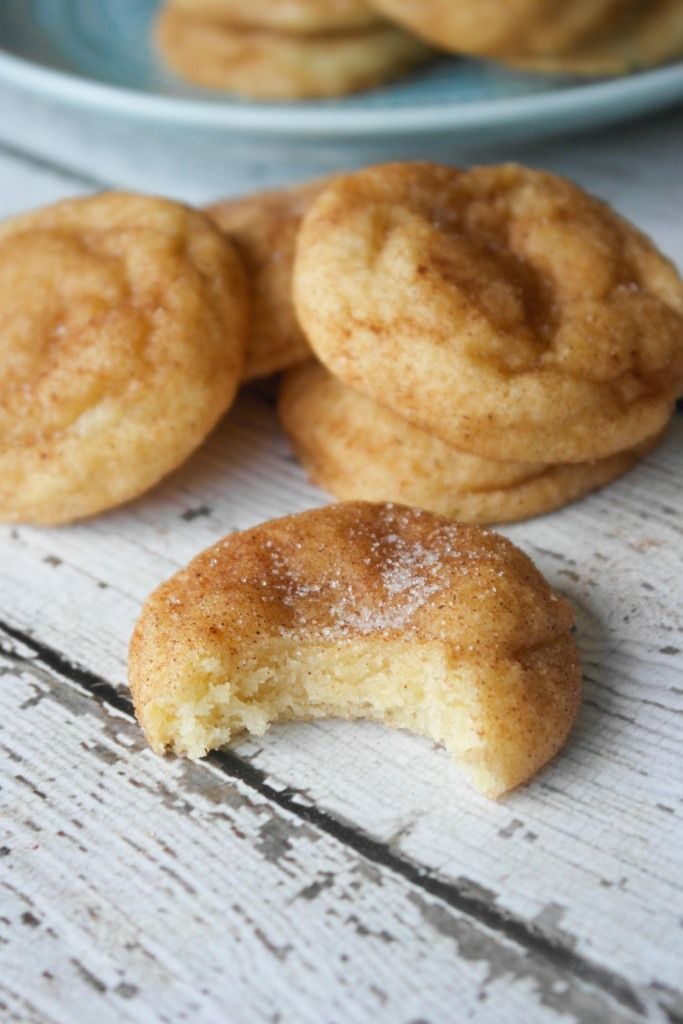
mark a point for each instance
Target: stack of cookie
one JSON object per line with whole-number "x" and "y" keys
{"x": 495, "y": 342}
{"x": 272, "y": 50}
{"x": 587, "y": 37}
{"x": 492, "y": 343}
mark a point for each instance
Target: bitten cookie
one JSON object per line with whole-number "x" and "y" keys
{"x": 277, "y": 66}
{"x": 501, "y": 309}
{"x": 362, "y": 611}
{"x": 264, "y": 228}
{"x": 283, "y": 15}
{"x": 356, "y": 448}
{"x": 123, "y": 320}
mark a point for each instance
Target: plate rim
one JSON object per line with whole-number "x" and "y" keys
{"x": 636, "y": 92}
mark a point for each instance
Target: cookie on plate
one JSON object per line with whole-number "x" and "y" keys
{"x": 267, "y": 65}
{"x": 362, "y": 611}
{"x": 652, "y": 35}
{"x": 283, "y": 15}
{"x": 497, "y": 28}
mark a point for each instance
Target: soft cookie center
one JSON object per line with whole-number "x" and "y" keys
{"x": 291, "y": 680}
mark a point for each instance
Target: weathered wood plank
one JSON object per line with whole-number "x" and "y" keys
{"x": 589, "y": 853}
{"x": 136, "y": 890}
{"x": 586, "y": 859}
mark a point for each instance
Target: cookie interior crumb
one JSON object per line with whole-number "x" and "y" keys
{"x": 421, "y": 690}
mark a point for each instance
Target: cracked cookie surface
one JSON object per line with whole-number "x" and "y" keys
{"x": 123, "y": 320}
{"x": 501, "y": 309}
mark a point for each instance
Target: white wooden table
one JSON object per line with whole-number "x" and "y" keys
{"x": 341, "y": 873}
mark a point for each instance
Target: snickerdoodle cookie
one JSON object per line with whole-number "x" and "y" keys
{"x": 502, "y": 27}
{"x": 652, "y": 35}
{"x": 284, "y": 66}
{"x": 502, "y": 309}
{"x": 283, "y": 15}
{"x": 123, "y": 324}
{"x": 356, "y": 448}
{"x": 264, "y": 228}
{"x": 362, "y": 611}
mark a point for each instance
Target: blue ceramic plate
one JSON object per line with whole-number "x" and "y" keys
{"x": 97, "y": 55}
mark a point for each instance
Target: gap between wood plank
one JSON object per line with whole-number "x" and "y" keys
{"x": 513, "y": 928}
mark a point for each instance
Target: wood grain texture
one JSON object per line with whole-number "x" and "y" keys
{"x": 138, "y": 890}
{"x": 337, "y": 872}
{"x": 573, "y": 855}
